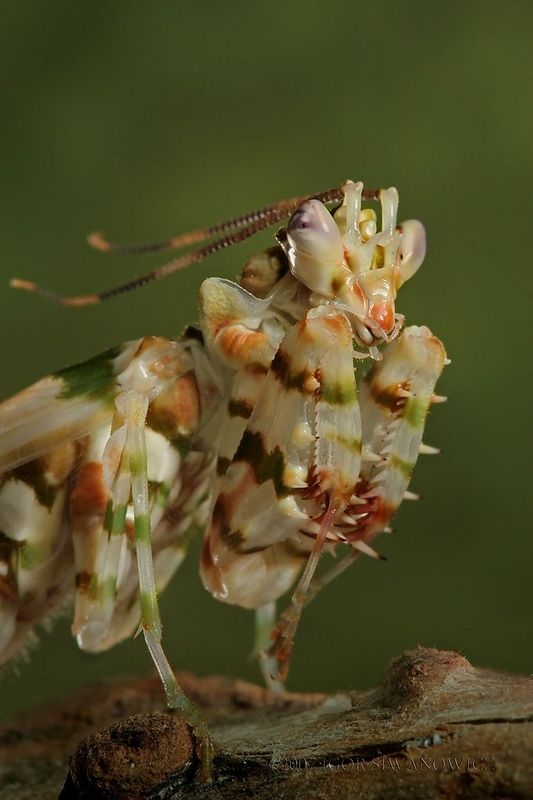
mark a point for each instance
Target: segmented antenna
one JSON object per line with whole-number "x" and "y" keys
{"x": 234, "y": 231}
{"x": 268, "y": 214}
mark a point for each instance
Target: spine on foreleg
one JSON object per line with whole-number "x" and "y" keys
{"x": 395, "y": 398}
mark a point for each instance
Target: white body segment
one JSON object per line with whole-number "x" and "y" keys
{"x": 67, "y": 518}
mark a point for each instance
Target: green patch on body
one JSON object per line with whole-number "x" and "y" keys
{"x": 159, "y": 491}
{"x": 414, "y": 411}
{"x": 108, "y": 516}
{"x": 138, "y": 464}
{"x": 31, "y": 555}
{"x": 353, "y": 444}
{"x": 93, "y": 589}
{"x": 95, "y": 378}
{"x": 339, "y": 393}
{"x": 142, "y": 529}
{"x": 405, "y": 467}
{"x": 107, "y": 590}
{"x": 115, "y": 519}
{"x": 266, "y": 466}
{"x": 149, "y": 609}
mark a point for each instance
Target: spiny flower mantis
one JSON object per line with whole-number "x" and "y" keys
{"x": 260, "y": 430}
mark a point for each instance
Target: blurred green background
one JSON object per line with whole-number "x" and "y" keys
{"x": 146, "y": 119}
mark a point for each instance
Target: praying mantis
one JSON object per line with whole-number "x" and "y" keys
{"x": 285, "y": 425}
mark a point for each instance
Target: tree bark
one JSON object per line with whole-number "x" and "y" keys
{"x": 435, "y": 727}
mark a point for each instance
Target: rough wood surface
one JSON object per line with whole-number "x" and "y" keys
{"x": 435, "y": 727}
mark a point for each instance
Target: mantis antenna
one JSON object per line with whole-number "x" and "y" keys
{"x": 234, "y": 231}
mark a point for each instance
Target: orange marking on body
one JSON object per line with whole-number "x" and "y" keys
{"x": 328, "y": 481}
{"x": 379, "y": 517}
{"x": 383, "y": 315}
{"x": 238, "y": 343}
{"x": 186, "y": 402}
{"x": 178, "y": 408}
{"x": 336, "y": 324}
{"x": 379, "y": 511}
{"x": 357, "y": 290}
{"x": 89, "y": 495}
{"x": 232, "y": 499}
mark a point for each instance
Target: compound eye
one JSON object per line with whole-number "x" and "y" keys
{"x": 312, "y": 231}
{"x": 412, "y": 248}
